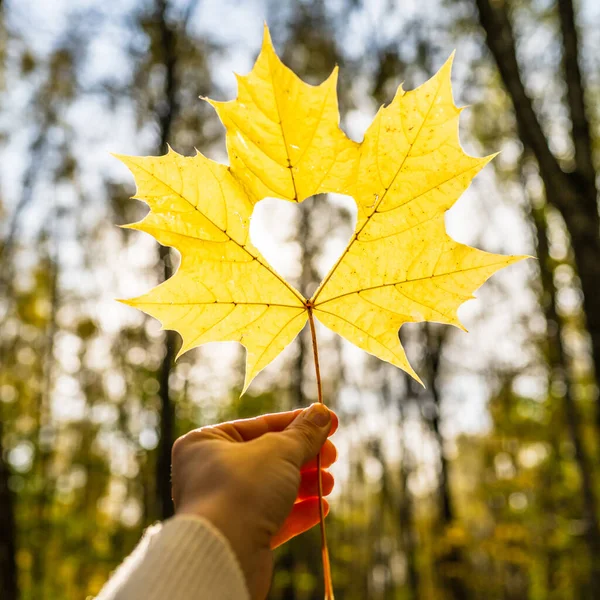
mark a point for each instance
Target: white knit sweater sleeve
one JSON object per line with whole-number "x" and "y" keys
{"x": 185, "y": 558}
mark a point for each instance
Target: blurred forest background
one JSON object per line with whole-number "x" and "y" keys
{"x": 485, "y": 485}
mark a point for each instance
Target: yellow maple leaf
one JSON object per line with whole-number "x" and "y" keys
{"x": 283, "y": 135}
{"x": 284, "y": 141}
{"x": 400, "y": 265}
{"x": 223, "y": 290}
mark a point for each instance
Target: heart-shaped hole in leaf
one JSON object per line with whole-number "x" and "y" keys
{"x": 302, "y": 241}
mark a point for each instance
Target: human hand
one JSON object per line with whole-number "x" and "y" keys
{"x": 256, "y": 480}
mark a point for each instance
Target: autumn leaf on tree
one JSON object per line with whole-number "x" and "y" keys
{"x": 284, "y": 141}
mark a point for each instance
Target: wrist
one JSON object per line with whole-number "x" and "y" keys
{"x": 239, "y": 527}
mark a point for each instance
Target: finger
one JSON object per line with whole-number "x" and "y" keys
{"x": 304, "y": 515}
{"x": 309, "y": 485}
{"x": 328, "y": 457}
{"x": 305, "y": 435}
{"x": 245, "y": 430}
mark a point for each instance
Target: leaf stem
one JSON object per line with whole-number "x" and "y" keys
{"x": 324, "y": 550}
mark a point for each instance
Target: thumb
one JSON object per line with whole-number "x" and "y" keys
{"x": 308, "y": 432}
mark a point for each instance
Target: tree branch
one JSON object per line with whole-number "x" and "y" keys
{"x": 573, "y": 194}
{"x": 575, "y": 92}
{"x": 501, "y": 42}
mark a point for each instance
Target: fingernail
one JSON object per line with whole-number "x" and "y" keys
{"x": 318, "y": 414}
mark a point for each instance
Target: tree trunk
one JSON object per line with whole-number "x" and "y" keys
{"x": 405, "y": 509}
{"x": 453, "y": 562}
{"x": 42, "y": 529}
{"x": 560, "y": 374}
{"x": 574, "y": 193}
{"x": 407, "y": 533}
{"x": 166, "y": 117}
{"x": 7, "y": 501}
{"x": 8, "y": 532}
